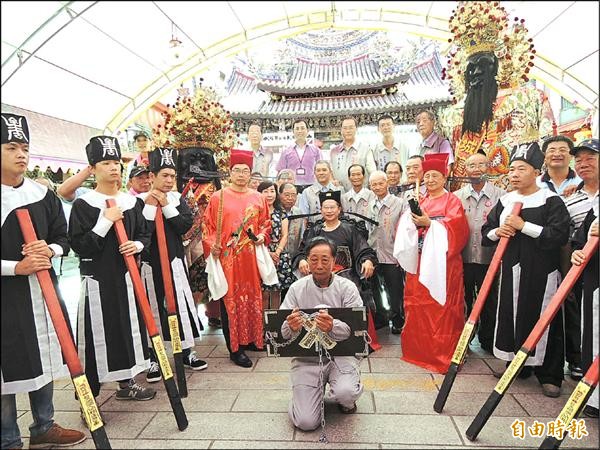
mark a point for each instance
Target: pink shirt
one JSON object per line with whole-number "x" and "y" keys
{"x": 304, "y": 167}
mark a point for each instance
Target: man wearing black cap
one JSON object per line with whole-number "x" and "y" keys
{"x": 586, "y": 164}
{"x": 578, "y": 205}
{"x": 178, "y": 220}
{"x": 139, "y": 180}
{"x": 111, "y": 332}
{"x": 31, "y": 354}
{"x": 530, "y": 267}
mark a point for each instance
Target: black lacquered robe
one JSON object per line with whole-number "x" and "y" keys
{"x": 111, "y": 334}
{"x": 31, "y": 355}
{"x": 529, "y": 273}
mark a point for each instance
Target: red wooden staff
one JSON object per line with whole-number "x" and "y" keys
{"x": 167, "y": 277}
{"x": 465, "y": 337}
{"x": 157, "y": 343}
{"x": 583, "y": 391}
{"x": 67, "y": 346}
{"x": 538, "y": 330}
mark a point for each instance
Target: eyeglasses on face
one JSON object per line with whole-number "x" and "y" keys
{"x": 238, "y": 170}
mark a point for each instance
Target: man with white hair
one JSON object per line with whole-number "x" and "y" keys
{"x": 386, "y": 209}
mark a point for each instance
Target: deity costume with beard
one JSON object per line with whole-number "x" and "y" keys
{"x": 499, "y": 111}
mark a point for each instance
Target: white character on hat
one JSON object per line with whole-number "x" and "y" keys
{"x": 166, "y": 158}
{"x": 15, "y": 128}
{"x": 108, "y": 147}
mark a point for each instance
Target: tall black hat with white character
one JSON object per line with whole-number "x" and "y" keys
{"x": 103, "y": 148}
{"x": 14, "y": 129}
{"x": 162, "y": 158}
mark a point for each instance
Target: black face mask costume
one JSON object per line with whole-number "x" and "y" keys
{"x": 482, "y": 89}
{"x": 193, "y": 163}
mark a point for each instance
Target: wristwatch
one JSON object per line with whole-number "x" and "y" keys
{"x": 53, "y": 252}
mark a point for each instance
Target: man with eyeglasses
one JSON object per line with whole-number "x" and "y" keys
{"x": 244, "y": 222}
{"x": 558, "y": 177}
{"x": 477, "y": 200}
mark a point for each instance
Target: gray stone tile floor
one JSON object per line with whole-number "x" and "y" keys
{"x": 233, "y": 407}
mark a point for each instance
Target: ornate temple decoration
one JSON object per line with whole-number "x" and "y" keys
{"x": 325, "y": 75}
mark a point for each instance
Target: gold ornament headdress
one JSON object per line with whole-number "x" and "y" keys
{"x": 198, "y": 121}
{"x": 484, "y": 27}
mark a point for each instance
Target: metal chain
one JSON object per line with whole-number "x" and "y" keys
{"x": 320, "y": 349}
{"x": 276, "y": 345}
{"x": 323, "y": 437}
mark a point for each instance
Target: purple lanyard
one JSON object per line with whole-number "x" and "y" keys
{"x": 303, "y": 154}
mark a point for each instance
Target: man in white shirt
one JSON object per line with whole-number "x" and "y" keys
{"x": 387, "y": 150}
{"x": 322, "y": 288}
{"x": 262, "y": 156}
{"x": 558, "y": 176}
{"x": 477, "y": 200}
{"x": 359, "y": 198}
{"x": 348, "y": 152}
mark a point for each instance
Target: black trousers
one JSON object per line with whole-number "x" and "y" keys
{"x": 225, "y": 324}
{"x": 572, "y": 311}
{"x": 473, "y": 275}
{"x": 389, "y": 278}
{"x": 552, "y": 369}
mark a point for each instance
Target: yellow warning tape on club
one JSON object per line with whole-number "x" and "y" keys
{"x": 161, "y": 355}
{"x": 463, "y": 343}
{"x": 511, "y": 372}
{"x": 88, "y": 404}
{"x": 175, "y": 336}
{"x": 574, "y": 403}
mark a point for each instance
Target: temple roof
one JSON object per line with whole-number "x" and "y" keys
{"x": 423, "y": 86}
{"x": 311, "y": 76}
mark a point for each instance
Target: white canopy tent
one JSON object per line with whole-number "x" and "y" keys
{"x": 103, "y": 63}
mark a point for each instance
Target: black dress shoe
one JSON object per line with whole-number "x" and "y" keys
{"x": 240, "y": 358}
{"x": 396, "y": 330}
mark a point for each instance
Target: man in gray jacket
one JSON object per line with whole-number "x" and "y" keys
{"x": 477, "y": 200}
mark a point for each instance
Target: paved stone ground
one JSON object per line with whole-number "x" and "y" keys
{"x": 232, "y": 407}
